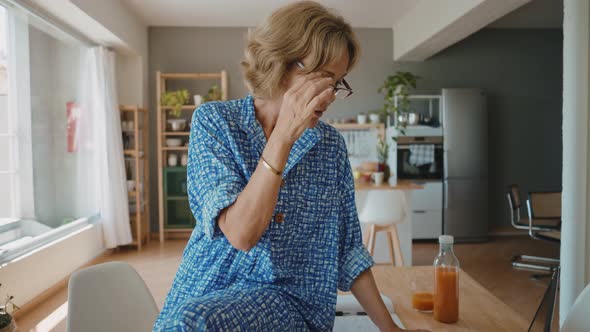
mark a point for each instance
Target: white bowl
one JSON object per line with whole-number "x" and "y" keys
{"x": 173, "y": 142}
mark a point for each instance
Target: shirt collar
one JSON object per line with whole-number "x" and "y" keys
{"x": 251, "y": 126}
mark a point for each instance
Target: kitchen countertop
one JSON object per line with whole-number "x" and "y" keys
{"x": 401, "y": 185}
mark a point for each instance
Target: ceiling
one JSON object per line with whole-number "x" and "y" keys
{"x": 363, "y": 14}
{"x": 247, "y": 13}
{"x": 537, "y": 14}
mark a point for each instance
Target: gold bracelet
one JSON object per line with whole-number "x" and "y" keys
{"x": 270, "y": 168}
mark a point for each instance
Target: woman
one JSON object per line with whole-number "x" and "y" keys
{"x": 272, "y": 191}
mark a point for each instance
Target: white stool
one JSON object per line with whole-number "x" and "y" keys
{"x": 382, "y": 211}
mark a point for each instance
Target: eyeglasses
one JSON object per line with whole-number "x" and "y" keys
{"x": 342, "y": 89}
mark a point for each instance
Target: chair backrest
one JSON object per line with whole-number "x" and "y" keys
{"x": 514, "y": 197}
{"x": 545, "y": 205}
{"x": 109, "y": 297}
{"x": 383, "y": 207}
{"x": 577, "y": 318}
{"x": 514, "y": 203}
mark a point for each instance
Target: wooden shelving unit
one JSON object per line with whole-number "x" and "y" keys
{"x": 380, "y": 127}
{"x": 175, "y": 216}
{"x": 136, "y": 141}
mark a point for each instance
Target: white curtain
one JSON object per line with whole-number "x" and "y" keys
{"x": 100, "y": 122}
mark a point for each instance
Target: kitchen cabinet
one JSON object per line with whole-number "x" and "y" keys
{"x": 427, "y": 211}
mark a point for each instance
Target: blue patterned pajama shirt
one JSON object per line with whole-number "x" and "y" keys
{"x": 312, "y": 247}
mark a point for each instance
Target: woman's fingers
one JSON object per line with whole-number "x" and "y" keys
{"x": 320, "y": 101}
{"x": 307, "y": 94}
{"x": 301, "y": 81}
{"x": 314, "y": 88}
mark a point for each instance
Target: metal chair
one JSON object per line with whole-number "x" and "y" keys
{"x": 544, "y": 210}
{"x": 544, "y": 223}
{"x": 547, "y": 305}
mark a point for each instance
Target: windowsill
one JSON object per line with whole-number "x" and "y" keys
{"x": 24, "y": 244}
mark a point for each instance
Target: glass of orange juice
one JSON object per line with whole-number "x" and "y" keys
{"x": 422, "y": 291}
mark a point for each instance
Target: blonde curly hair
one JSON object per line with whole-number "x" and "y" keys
{"x": 290, "y": 34}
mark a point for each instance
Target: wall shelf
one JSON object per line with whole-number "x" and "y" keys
{"x": 136, "y": 139}
{"x": 176, "y": 148}
{"x": 380, "y": 127}
{"x": 184, "y": 108}
{"x": 176, "y": 133}
{"x": 177, "y": 198}
{"x": 174, "y": 211}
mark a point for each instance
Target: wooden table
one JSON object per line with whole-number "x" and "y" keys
{"x": 479, "y": 310}
{"x": 401, "y": 185}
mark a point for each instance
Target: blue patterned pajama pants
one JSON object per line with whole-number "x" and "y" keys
{"x": 242, "y": 309}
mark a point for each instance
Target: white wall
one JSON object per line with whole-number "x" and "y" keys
{"x": 575, "y": 244}
{"x": 127, "y": 26}
{"x": 39, "y": 270}
{"x": 109, "y": 23}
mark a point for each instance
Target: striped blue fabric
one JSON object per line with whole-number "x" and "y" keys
{"x": 289, "y": 280}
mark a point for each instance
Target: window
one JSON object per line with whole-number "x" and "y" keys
{"x": 8, "y": 143}
{"x": 46, "y": 187}
{"x": 41, "y": 178}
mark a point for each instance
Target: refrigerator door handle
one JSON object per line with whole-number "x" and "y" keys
{"x": 446, "y": 164}
{"x": 446, "y": 195}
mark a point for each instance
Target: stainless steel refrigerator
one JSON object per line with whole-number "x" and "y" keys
{"x": 465, "y": 124}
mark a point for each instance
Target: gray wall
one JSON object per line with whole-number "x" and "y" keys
{"x": 520, "y": 69}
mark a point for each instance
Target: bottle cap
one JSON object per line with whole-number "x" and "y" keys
{"x": 446, "y": 239}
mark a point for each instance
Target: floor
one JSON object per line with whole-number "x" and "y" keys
{"x": 488, "y": 263}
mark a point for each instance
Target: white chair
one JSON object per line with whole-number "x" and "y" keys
{"x": 109, "y": 297}
{"x": 577, "y": 319}
{"x": 381, "y": 212}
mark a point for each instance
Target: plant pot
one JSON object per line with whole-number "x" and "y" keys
{"x": 361, "y": 118}
{"x": 10, "y": 327}
{"x": 198, "y": 100}
{"x": 374, "y": 118}
{"x": 177, "y": 124}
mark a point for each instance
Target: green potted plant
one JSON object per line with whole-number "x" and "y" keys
{"x": 397, "y": 88}
{"x": 214, "y": 93}
{"x": 382, "y": 155}
{"x": 175, "y": 100}
{"x": 7, "y": 323}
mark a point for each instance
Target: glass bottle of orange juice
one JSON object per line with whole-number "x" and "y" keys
{"x": 446, "y": 282}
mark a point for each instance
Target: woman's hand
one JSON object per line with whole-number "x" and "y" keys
{"x": 309, "y": 93}
{"x": 365, "y": 290}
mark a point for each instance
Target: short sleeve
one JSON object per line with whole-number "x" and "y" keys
{"x": 214, "y": 180}
{"x": 353, "y": 256}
